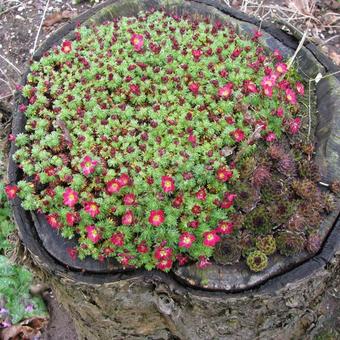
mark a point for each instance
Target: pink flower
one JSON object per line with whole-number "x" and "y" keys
{"x": 72, "y": 218}
{"x": 178, "y": 201}
{"x": 300, "y": 88}
{"x": 92, "y": 233}
{"x": 235, "y": 53}
{"x": 271, "y": 137}
{"x": 225, "y": 227}
{"x": 269, "y": 81}
{"x": 229, "y": 196}
{"x": 281, "y": 68}
{"x": 70, "y": 197}
{"x": 257, "y": 34}
{"x": 277, "y": 54}
{"x": 66, "y": 46}
{"x": 238, "y": 135}
{"x": 186, "y": 240}
{"x": 113, "y": 186}
{"x": 249, "y": 87}
{"x": 124, "y": 259}
{"x": 72, "y": 252}
{"x": 117, "y": 239}
{"x": 162, "y": 253}
{"x": 192, "y": 139}
{"x": 228, "y": 200}
{"x": 194, "y": 224}
{"x": 291, "y": 96}
{"x": 230, "y": 120}
{"x": 124, "y": 180}
{"x": 283, "y": 84}
{"x": 279, "y": 112}
{"x": 142, "y": 248}
{"x": 182, "y": 259}
{"x": 196, "y": 209}
{"x": 294, "y": 125}
{"x": 134, "y": 88}
{"x": 137, "y": 40}
{"x": 129, "y": 199}
{"x": 194, "y": 88}
{"x": 11, "y": 191}
{"x": 268, "y": 91}
{"x": 225, "y": 91}
{"x": 223, "y": 174}
{"x": 168, "y": 184}
{"x": 164, "y": 264}
{"x": 53, "y": 220}
{"x": 156, "y": 217}
{"x": 210, "y": 238}
{"x": 91, "y": 208}
{"x": 203, "y": 262}
{"x": 196, "y": 54}
{"x": 11, "y": 137}
{"x": 127, "y": 218}
{"x": 88, "y": 165}
{"x": 201, "y": 194}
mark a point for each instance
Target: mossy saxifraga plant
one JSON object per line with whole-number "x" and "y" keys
{"x": 136, "y": 131}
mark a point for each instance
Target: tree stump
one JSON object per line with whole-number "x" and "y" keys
{"x": 107, "y": 301}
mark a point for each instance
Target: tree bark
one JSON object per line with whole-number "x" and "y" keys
{"x": 157, "y": 308}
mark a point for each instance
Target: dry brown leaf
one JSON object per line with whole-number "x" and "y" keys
{"x": 57, "y": 17}
{"x": 330, "y": 19}
{"x": 28, "y": 329}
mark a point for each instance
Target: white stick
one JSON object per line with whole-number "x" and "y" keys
{"x": 297, "y": 50}
{"x": 6, "y": 96}
{"x": 41, "y": 23}
{"x": 15, "y": 68}
{"x": 7, "y": 78}
{"x": 7, "y": 83}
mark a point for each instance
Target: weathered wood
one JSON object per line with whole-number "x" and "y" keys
{"x": 106, "y": 301}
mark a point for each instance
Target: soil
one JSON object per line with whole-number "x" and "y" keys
{"x": 19, "y": 24}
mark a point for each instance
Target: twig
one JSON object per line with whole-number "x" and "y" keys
{"x": 6, "y": 96}
{"x": 7, "y": 78}
{"x": 297, "y": 50}
{"x": 15, "y": 68}
{"x": 7, "y": 83}
{"x": 9, "y": 9}
{"x": 39, "y": 29}
{"x": 328, "y": 40}
{"x": 259, "y": 7}
{"x": 261, "y": 20}
{"x": 328, "y": 75}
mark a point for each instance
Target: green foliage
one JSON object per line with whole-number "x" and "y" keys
{"x": 7, "y": 226}
{"x": 151, "y": 127}
{"x": 14, "y": 280}
{"x": 257, "y": 261}
{"x": 14, "y": 292}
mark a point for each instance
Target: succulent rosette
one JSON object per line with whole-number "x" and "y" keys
{"x": 128, "y": 132}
